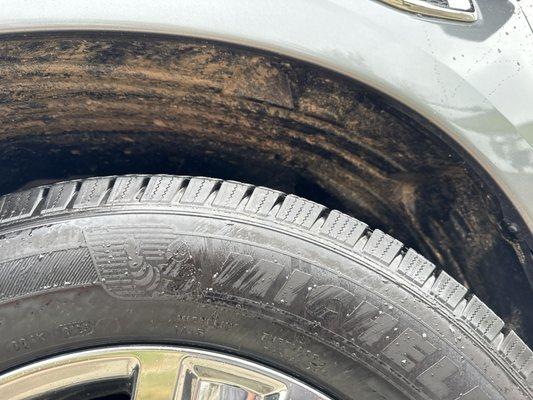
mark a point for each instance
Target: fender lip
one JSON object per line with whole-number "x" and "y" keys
{"x": 406, "y": 57}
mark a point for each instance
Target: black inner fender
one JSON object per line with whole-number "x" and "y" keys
{"x": 84, "y": 104}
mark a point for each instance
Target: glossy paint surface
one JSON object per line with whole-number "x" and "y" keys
{"x": 472, "y": 80}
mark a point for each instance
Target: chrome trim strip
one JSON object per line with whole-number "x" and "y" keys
{"x": 432, "y": 10}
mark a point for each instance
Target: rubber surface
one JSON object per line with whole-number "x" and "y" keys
{"x": 250, "y": 270}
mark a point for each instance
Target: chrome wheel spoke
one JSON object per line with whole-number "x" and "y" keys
{"x": 207, "y": 379}
{"x": 157, "y": 375}
{"x": 61, "y": 374}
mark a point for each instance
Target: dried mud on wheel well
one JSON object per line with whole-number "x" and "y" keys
{"x": 76, "y": 104}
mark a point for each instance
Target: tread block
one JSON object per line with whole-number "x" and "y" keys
{"x": 230, "y": 194}
{"x": 125, "y": 189}
{"x": 519, "y": 355}
{"x": 298, "y": 211}
{"x": 162, "y": 189}
{"x": 262, "y": 200}
{"x": 416, "y": 268}
{"x": 382, "y": 247}
{"x": 448, "y": 290}
{"x": 198, "y": 190}
{"x": 91, "y": 192}
{"x": 59, "y": 197}
{"x": 21, "y": 204}
{"x": 482, "y": 318}
{"x": 343, "y": 228}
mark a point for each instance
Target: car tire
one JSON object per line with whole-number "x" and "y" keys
{"x": 248, "y": 271}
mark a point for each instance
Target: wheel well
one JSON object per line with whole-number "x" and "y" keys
{"x": 74, "y": 104}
